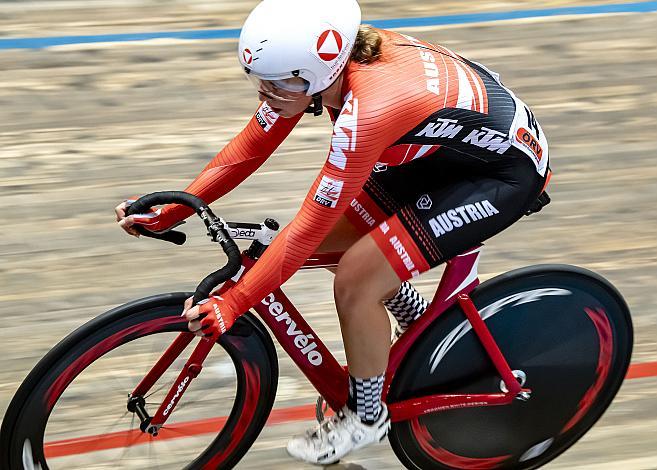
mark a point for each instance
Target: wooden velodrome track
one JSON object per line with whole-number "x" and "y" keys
{"x": 84, "y": 126}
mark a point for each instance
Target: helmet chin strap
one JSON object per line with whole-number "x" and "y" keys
{"x": 317, "y": 107}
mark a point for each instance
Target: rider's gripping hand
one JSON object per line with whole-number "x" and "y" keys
{"x": 154, "y": 221}
{"x": 210, "y": 318}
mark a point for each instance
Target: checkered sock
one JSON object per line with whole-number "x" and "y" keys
{"x": 406, "y": 306}
{"x": 365, "y": 397}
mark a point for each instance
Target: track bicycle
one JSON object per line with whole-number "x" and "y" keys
{"x": 506, "y": 374}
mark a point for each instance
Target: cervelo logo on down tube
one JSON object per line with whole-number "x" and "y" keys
{"x": 460, "y": 331}
{"x": 301, "y": 340}
{"x": 181, "y": 387}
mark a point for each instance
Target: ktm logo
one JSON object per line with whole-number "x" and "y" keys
{"x": 248, "y": 56}
{"x": 329, "y": 45}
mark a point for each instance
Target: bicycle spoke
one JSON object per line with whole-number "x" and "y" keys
{"x": 160, "y": 388}
{"x": 153, "y": 454}
{"x": 119, "y": 379}
{"x": 127, "y": 444}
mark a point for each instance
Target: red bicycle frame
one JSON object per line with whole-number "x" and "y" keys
{"x": 322, "y": 369}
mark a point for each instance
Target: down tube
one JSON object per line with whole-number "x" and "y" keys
{"x": 304, "y": 347}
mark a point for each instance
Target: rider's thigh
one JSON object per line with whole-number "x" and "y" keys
{"x": 340, "y": 238}
{"x": 364, "y": 274}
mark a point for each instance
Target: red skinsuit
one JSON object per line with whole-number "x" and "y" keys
{"x": 382, "y": 102}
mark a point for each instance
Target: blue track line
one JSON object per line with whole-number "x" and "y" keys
{"x": 42, "y": 42}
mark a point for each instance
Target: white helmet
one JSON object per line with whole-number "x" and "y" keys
{"x": 311, "y": 39}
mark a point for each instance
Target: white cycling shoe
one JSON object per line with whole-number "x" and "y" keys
{"x": 337, "y": 436}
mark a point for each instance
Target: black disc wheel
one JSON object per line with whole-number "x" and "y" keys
{"x": 71, "y": 411}
{"x": 567, "y": 335}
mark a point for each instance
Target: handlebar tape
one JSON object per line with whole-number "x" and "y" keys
{"x": 143, "y": 205}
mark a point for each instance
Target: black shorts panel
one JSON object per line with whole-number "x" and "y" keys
{"x": 449, "y": 203}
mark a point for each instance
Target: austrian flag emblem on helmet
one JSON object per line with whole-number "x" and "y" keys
{"x": 329, "y": 45}
{"x": 248, "y": 56}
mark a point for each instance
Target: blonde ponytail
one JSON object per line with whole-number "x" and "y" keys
{"x": 368, "y": 45}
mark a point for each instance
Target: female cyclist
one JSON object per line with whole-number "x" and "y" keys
{"x": 430, "y": 156}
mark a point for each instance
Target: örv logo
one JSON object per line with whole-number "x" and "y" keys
{"x": 528, "y": 140}
{"x": 328, "y": 192}
{"x": 460, "y": 216}
{"x": 329, "y": 45}
{"x": 266, "y": 117}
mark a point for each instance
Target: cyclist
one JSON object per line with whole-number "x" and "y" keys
{"x": 430, "y": 156}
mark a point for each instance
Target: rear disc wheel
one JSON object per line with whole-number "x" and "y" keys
{"x": 565, "y": 331}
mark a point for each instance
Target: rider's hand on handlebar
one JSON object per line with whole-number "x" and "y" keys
{"x": 152, "y": 221}
{"x": 210, "y": 318}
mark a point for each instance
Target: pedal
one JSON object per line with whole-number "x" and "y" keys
{"x": 524, "y": 396}
{"x": 321, "y": 407}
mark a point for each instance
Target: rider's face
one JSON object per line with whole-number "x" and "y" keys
{"x": 284, "y": 102}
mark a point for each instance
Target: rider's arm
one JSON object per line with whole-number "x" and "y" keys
{"x": 232, "y": 165}
{"x": 357, "y": 143}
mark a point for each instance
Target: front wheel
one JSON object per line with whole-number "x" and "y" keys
{"x": 566, "y": 333}
{"x": 71, "y": 410}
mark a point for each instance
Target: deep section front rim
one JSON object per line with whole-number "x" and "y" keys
{"x": 249, "y": 350}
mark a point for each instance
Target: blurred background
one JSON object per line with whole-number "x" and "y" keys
{"x": 84, "y": 126}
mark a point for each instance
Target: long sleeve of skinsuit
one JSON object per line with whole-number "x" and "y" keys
{"x": 237, "y": 161}
{"x": 359, "y": 138}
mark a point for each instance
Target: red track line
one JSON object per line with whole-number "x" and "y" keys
{"x": 642, "y": 370}
{"x": 82, "y": 445}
